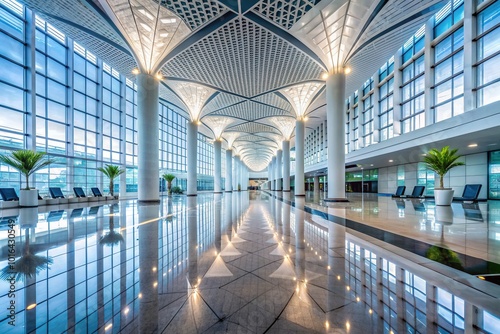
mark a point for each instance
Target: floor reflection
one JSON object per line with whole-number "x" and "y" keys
{"x": 242, "y": 262}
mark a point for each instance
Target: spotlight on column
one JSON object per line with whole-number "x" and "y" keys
{"x": 324, "y": 76}
{"x": 347, "y": 70}
{"x": 135, "y": 71}
{"x": 159, "y": 76}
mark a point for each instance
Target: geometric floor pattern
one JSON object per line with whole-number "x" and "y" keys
{"x": 271, "y": 286}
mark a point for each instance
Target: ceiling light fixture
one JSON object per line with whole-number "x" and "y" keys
{"x": 391, "y": 160}
{"x": 472, "y": 145}
{"x": 324, "y": 76}
{"x": 159, "y": 76}
{"x": 347, "y": 70}
{"x": 135, "y": 71}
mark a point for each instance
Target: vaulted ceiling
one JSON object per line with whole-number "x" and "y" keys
{"x": 249, "y": 60}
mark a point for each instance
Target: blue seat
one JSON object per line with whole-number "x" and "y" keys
{"x": 79, "y": 192}
{"x": 471, "y": 192}
{"x": 400, "y": 191}
{"x": 418, "y": 191}
{"x": 8, "y": 194}
{"x": 96, "y": 192}
{"x": 56, "y": 192}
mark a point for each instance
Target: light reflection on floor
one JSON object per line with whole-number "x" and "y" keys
{"x": 241, "y": 262}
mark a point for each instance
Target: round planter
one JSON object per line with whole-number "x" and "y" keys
{"x": 28, "y": 197}
{"x": 443, "y": 196}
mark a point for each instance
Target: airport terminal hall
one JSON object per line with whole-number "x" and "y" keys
{"x": 250, "y": 166}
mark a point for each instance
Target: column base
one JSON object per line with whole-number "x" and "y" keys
{"x": 304, "y": 195}
{"x": 192, "y": 195}
{"x": 286, "y": 191}
{"x": 151, "y": 201}
{"x": 336, "y": 200}
{"x": 217, "y": 192}
{"x": 228, "y": 191}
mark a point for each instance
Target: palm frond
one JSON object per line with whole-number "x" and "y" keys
{"x": 168, "y": 177}
{"x": 111, "y": 171}
{"x": 26, "y": 162}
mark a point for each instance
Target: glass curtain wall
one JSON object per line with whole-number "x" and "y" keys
{"x": 82, "y": 111}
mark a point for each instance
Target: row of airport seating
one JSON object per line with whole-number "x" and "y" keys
{"x": 10, "y": 199}
{"x": 470, "y": 194}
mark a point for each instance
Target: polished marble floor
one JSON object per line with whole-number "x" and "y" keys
{"x": 251, "y": 262}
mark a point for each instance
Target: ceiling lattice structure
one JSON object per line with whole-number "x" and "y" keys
{"x": 286, "y": 125}
{"x": 245, "y": 59}
{"x": 194, "y": 97}
{"x": 151, "y": 29}
{"x": 258, "y": 63}
{"x": 250, "y": 111}
{"x": 284, "y": 13}
{"x": 301, "y": 96}
{"x": 194, "y": 13}
{"x": 218, "y": 124}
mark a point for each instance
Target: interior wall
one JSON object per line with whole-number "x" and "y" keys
{"x": 475, "y": 171}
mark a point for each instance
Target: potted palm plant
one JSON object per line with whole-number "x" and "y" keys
{"x": 169, "y": 178}
{"x": 27, "y": 162}
{"x": 112, "y": 172}
{"x": 441, "y": 161}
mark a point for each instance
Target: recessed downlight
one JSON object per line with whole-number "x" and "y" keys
{"x": 472, "y": 145}
{"x": 391, "y": 160}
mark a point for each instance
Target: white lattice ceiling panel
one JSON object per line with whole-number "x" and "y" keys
{"x": 252, "y": 138}
{"x": 375, "y": 54}
{"x": 243, "y": 58}
{"x": 250, "y": 111}
{"x": 275, "y": 100}
{"x": 167, "y": 95}
{"x": 221, "y": 101}
{"x": 333, "y": 29}
{"x": 253, "y": 128}
{"x": 218, "y": 124}
{"x": 301, "y": 96}
{"x": 114, "y": 57}
{"x": 284, "y": 13}
{"x": 76, "y": 11}
{"x": 392, "y": 13}
{"x": 151, "y": 29}
{"x": 194, "y": 12}
{"x": 286, "y": 125}
{"x": 194, "y": 97}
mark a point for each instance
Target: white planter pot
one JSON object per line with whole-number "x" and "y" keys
{"x": 443, "y": 196}
{"x": 28, "y": 197}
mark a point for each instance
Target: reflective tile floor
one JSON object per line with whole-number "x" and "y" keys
{"x": 250, "y": 262}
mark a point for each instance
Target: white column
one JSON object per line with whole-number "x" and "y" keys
{"x": 192, "y": 158}
{"x": 243, "y": 175}
{"x": 269, "y": 169}
{"x": 273, "y": 174}
{"x": 286, "y": 165}
{"x": 236, "y": 172}
{"x": 229, "y": 170}
{"x": 148, "y": 138}
{"x": 217, "y": 166}
{"x": 316, "y": 184}
{"x": 299, "y": 158}
{"x": 335, "y": 113}
{"x": 279, "y": 165}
